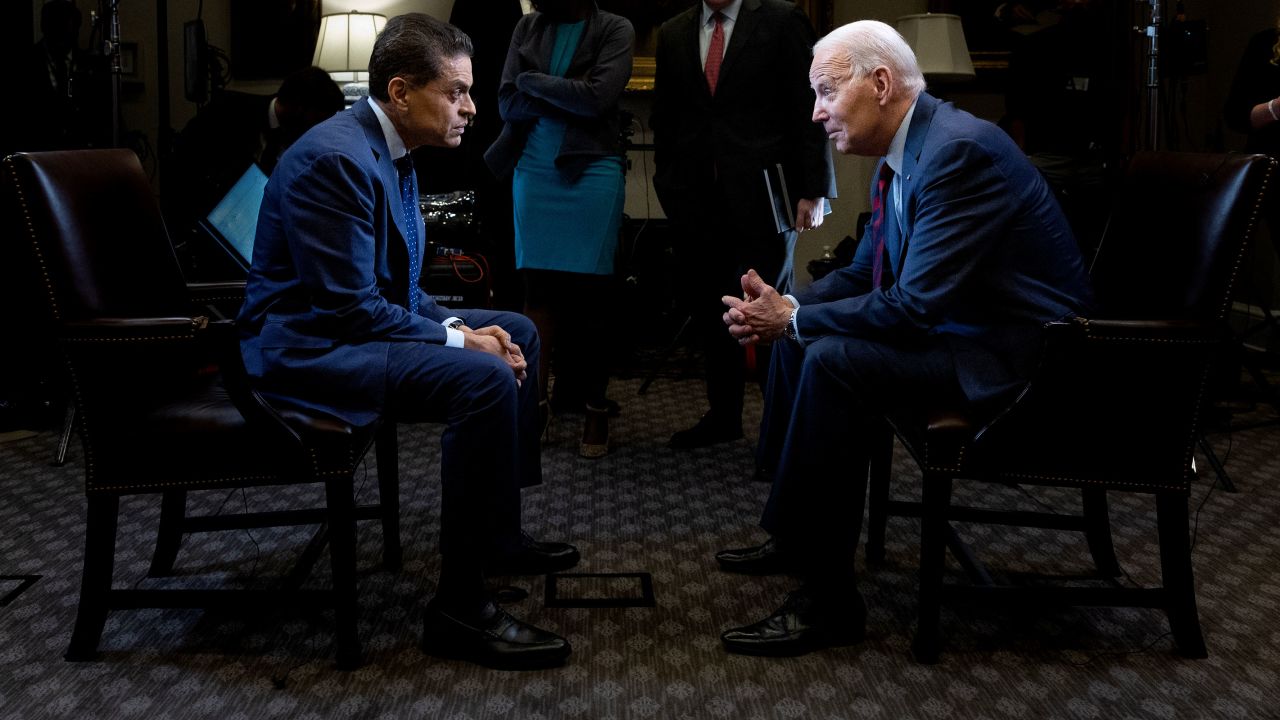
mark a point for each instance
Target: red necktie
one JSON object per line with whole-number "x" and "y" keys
{"x": 877, "y": 224}
{"x": 715, "y": 53}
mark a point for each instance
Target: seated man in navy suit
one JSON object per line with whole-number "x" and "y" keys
{"x": 335, "y": 322}
{"x": 967, "y": 255}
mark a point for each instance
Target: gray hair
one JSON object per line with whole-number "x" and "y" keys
{"x": 868, "y": 44}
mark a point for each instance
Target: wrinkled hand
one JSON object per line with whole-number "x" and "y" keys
{"x": 809, "y": 213}
{"x": 496, "y": 341}
{"x": 761, "y": 315}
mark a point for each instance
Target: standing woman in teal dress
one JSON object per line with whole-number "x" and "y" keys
{"x": 565, "y": 72}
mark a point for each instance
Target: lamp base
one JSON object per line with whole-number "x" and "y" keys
{"x": 352, "y": 92}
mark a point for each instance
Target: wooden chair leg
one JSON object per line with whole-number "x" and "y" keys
{"x": 935, "y": 499}
{"x": 387, "y": 451}
{"x": 340, "y": 494}
{"x": 173, "y": 511}
{"x": 1097, "y": 531}
{"x": 1175, "y": 568}
{"x": 878, "y": 480}
{"x": 95, "y": 581}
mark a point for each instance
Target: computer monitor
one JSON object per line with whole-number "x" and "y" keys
{"x": 233, "y": 222}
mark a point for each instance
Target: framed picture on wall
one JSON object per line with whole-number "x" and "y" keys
{"x": 129, "y": 59}
{"x": 272, "y": 38}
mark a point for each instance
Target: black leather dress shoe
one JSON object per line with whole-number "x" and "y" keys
{"x": 800, "y": 626}
{"x": 764, "y": 559}
{"x": 492, "y": 638}
{"x": 708, "y": 431}
{"x": 532, "y": 557}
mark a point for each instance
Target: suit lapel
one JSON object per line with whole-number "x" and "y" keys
{"x": 386, "y": 169}
{"x": 688, "y": 29}
{"x": 921, "y": 119}
{"x": 742, "y": 29}
{"x": 546, "y": 42}
{"x": 584, "y": 54}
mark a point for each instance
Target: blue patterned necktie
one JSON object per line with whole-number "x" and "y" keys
{"x": 409, "y": 203}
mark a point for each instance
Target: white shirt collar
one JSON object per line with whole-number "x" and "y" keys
{"x": 394, "y": 144}
{"x": 898, "y": 146}
{"x": 730, "y": 13}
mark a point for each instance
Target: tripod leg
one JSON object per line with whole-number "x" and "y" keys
{"x": 68, "y": 423}
{"x": 666, "y": 354}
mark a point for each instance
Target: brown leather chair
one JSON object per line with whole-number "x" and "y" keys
{"x": 164, "y": 405}
{"x": 1114, "y": 405}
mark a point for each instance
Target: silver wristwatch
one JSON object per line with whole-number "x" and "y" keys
{"x": 790, "y": 329}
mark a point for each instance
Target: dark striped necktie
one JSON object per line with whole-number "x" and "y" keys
{"x": 877, "y": 230}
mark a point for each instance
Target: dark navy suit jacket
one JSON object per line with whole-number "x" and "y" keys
{"x": 329, "y": 287}
{"x": 760, "y": 115}
{"x": 984, "y": 256}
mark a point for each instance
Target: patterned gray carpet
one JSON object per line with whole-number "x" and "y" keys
{"x": 643, "y": 508}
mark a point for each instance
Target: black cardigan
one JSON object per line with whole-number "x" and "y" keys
{"x": 586, "y": 98}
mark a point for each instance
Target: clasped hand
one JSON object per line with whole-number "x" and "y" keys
{"x": 496, "y": 341}
{"x": 760, "y": 315}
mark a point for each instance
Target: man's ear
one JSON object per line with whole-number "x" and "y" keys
{"x": 397, "y": 89}
{"x": 884, "y": 80}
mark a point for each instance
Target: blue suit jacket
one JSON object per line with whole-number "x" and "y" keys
{"x": 986, "y": 256}
{"x": 330, "y": 280}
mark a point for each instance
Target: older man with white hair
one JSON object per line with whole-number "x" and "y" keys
{"x": 966, "y": 256}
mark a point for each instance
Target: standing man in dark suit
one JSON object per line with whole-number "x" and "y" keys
{"x": 731, "y": 99}
{"x": 966, "y": 257}
{"x": 335, "y": 321}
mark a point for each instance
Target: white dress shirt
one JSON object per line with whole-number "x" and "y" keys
{"x": 708, "y": 26}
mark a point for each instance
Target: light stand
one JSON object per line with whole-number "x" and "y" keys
{"x": 113, "y": 52}
{"x": 109, "y": 15}
{"x": 1153, "y": 77}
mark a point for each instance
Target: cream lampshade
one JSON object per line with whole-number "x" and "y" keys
{"x": 344, "y": 44}
{"x": 938, "y": 41}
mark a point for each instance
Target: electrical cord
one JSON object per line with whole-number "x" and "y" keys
{"x": 257, "y": 549}
{"x": 280, "y": 680}
{"x": 1121, "y": 653}
{"x": 1195, "y": 526}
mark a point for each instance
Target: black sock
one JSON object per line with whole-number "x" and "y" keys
{"x": 461, "y": 587}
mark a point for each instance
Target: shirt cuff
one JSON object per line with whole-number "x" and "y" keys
{"x": 454, "y": 337}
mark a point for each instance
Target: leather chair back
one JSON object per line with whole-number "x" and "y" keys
{"x": 1173, "y": 248}
{"x": 95, "y": 230}
{"x": 1117, "y": 398}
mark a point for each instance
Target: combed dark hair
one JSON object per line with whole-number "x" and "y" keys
{"x": 413, "y": 46}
